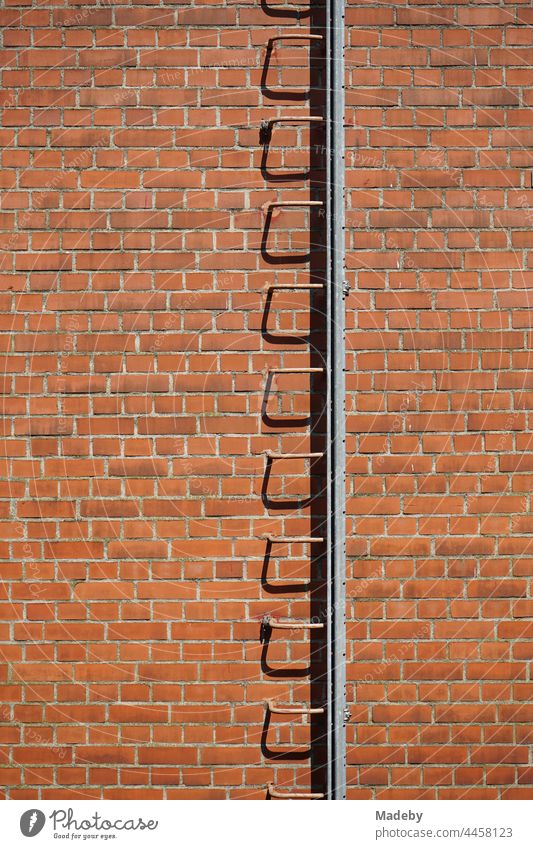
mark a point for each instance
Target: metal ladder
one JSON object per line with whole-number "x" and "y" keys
{"x": 334, "y": 710}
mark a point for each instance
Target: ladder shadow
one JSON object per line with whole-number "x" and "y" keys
{"x": 318, "y": 436}
{"x": 280, "y": 503}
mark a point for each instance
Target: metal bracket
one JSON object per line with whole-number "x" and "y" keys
{"x": 336, "y": 453}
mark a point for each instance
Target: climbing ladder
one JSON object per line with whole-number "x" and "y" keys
{"x": 333, "y": 456}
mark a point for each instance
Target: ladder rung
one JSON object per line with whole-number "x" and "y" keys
{"x": 296, "y": 203}
{"x": 289, "y": 583}
{"x": 292, "y": 794}
{"x": 291, "y": 626}
{"x": 275, "y": 539}
{"x": 274, "y": 708}
{"x": 296, "y": 370}
{"x": 309, "y": 456}
{"x": 299, "y": 36}
{"x": 295, "y": 286}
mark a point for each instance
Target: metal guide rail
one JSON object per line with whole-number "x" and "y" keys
{"x": 333, "y": 540}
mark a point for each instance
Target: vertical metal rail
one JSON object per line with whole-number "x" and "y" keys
{"x": 336, "y": 452}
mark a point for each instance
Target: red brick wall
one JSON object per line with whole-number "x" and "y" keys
{"x": 132, "y": 207}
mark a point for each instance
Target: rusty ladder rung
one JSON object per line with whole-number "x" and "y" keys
{"x": 290, "y": 582}
{"x": 304, "y": 711}
{"x": 291, "y": 794}
{"x": 272, "y": 455}
{"x": 292, "y": 36}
